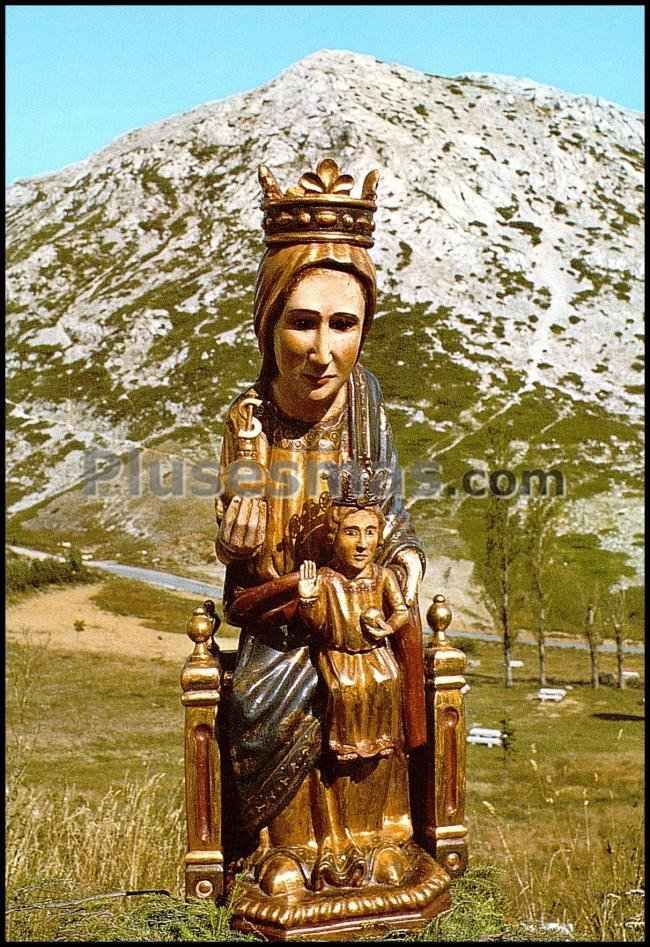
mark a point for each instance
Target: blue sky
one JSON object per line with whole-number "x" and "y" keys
{"x": 80, "y": 76}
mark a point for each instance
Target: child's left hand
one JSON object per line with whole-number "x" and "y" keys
{"x": 374, "y": 624}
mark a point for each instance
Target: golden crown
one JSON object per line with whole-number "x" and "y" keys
{"x": 360, "y": 486}
{"x": 319, "y": 208}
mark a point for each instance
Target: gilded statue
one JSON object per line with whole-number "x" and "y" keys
{"x": 339, "y": 766}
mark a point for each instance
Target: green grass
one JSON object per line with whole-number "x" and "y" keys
{"x": 479, "y": 911}
{"x": 145, "y": 918}
{"x": 106, "y": 720}
{"x": 158, "y": 609}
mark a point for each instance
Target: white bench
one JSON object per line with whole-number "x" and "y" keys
{"x": 516, "y": 664}
{"x": 483, "y": 736}
{"x": 550, "y": 693}
{"x": 631, "y": 675}
{"x": 555, "y": 926}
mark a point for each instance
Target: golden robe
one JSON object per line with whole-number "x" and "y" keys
{"x": 364, "y": 711}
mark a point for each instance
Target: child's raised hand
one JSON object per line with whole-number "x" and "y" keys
{"x": 307, "y": 579}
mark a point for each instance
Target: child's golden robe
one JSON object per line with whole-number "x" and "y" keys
{"x": 361, "y": 674}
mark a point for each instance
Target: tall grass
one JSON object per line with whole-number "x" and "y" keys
{"x": 76, "y": 873}
{"x": 60, "y": 851}
{"x": 60, "y": 847}
{"x": 583, "y": 870}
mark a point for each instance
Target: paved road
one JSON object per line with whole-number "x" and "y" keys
{"x": 164, "y": 580}
{"x": 550, "y": 642}
{"x": 179, "y": 583}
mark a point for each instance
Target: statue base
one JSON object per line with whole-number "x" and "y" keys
{"x": 339, "y": 913}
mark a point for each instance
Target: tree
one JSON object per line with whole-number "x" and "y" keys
{"x": 593, "y": 640}
{"x": 501, "y": 550}
{"x": 588, "y": 573}
{"x": 538, "y": 541}
{"x": 625, "y": 612}
{"x": 494, "y": 537}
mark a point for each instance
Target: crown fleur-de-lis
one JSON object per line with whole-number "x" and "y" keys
{"x": 327, "y": 179}
{"x": 369, "y": 189}
{"x": 268, "y": 184}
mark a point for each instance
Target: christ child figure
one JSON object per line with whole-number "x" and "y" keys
{"x": 353, "y": 606}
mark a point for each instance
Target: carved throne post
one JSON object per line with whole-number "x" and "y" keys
{"x": 444, "y": 829}
{"x": 201, "y": 684}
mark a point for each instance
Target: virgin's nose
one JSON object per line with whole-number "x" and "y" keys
{"x": 321, "y": 354}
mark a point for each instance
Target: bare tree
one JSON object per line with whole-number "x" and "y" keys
{"x": 618, "y": 638}
{"x": 496, "y": 540}
{"x": 589, "y": 572}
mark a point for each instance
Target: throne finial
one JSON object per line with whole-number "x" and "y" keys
{"x": 439, "y": 618}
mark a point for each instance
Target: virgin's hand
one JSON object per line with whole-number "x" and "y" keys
{"x": 307, "y": 579}
{"x": 410, "y": 560}
{"x": 243, "y": 527}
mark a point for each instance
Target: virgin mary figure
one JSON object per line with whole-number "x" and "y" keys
{"x": 330, "y": 839}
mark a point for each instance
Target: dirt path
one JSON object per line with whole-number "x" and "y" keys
{"x": 47, "y": 619}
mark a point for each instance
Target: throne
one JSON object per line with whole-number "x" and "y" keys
{"x": 216, "y": 850}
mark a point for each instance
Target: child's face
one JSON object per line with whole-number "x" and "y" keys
{"x": 356, "y": 540}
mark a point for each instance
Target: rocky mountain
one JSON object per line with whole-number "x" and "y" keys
{"x": 510, "y": 257}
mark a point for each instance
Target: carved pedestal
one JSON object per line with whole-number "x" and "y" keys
{"x": 200, "y": 681}
{"x": 339, "y": 914}
{"x": 443, "y": 832}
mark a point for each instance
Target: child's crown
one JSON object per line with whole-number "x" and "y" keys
{"x": 361, "y": 486}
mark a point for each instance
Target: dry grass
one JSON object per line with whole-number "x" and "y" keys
{"x": 155, "y": 607}
{"x": 560, "y": 816}
{"x": 582, "y": 868}
{"x": 107, "y": 871}
{"x": 104, "y": 845}
{"x": 563, "y": 812}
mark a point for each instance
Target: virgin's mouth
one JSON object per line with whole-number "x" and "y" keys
{"x": 318, "y": 379}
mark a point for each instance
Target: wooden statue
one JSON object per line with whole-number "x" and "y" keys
{"x": 334, "y": 780}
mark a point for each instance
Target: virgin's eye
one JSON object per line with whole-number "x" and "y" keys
{"x": 342, "y": 325}
{"x": 301, "y": 324}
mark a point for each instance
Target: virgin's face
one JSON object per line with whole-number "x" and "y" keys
{"x": 317, "y": 337}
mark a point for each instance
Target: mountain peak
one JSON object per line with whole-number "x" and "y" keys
{"x": 336, "y": 57}
{"x": 509, "y": 248}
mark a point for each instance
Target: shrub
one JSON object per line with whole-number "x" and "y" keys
{"x": 468, "y": 646}
{"x": 27, "y": 575}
